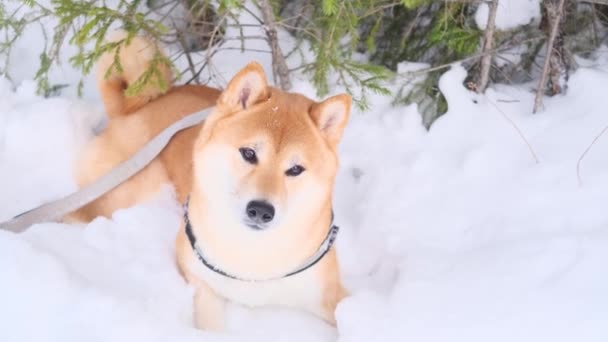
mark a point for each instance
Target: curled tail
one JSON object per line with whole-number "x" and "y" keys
{"x": 134, "y": 59}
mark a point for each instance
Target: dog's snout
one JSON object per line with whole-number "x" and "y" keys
{"x": 260, "y": 211}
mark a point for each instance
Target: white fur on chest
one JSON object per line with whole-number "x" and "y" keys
{"x": 303, "y": 290}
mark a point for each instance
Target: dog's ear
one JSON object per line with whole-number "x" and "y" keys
{"x": 246, "y": 88}
{"x": 331, "y": 116}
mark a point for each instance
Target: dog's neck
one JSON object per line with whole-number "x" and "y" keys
{"x": 324, "y": 248}
{"x": 255, "y": 254}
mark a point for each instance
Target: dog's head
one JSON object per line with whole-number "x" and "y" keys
{"x": 265, "y": 158}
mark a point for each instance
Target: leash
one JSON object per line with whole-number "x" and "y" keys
{"x": 308, "y": 263}
{"x": 55, "y": 210}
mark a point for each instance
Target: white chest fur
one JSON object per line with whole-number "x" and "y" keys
{"x": 302, "y": 290}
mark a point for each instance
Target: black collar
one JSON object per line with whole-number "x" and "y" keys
{"x": 311, "y": 261}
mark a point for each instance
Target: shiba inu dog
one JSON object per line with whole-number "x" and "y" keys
{"x": 257, "y": 179}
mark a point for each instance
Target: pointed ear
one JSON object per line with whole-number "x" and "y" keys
{"x": 246, "y": 88}
{"x": 331, "y": 116}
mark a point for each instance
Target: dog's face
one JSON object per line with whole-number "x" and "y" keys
{"x": 267, "y": 159}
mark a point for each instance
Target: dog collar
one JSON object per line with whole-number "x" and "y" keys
{"x": 311, "y": 261}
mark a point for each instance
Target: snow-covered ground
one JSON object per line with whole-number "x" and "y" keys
{"x": 477, "y": 230}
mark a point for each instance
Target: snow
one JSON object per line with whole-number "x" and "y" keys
{"x": 484, "y": 243}
{"x": 452, "y": 234}
{"x": 510, "y": 13}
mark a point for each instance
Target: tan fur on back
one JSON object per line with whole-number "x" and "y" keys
{"x": 127, "y": 134}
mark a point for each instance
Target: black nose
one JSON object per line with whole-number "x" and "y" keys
{"x": 260, "y": 211}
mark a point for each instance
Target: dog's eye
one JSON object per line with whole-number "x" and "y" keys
{"x": 295, "y": 170}
{"x": 249, "y": 155}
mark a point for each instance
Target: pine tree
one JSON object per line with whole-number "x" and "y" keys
{"x": 357, "y": 44}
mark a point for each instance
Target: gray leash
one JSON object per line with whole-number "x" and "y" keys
{"x": 55, "y": 210}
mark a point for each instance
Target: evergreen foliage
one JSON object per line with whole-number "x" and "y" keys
{"x": 356, "y": 43}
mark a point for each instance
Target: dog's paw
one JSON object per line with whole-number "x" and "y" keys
{"x": 209, "y": 309}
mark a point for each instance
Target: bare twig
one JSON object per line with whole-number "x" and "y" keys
{"x": 188, "y": 57}
{"x": 557, "y": 16}
{"x": 593, "y": 26}
{"x": 205, "y": 62}
{"x": 380, "y": 9}
{"x": 279, "y": 66}
{"x": 243, "y": 50}
{"x": 253, "y": 15}
{"x": 210, "y": 51}
{"x": 60, "y": 35}
{"x": 518, "y": 130}
{"x": 598, "y": 2}
{"x": 309, "y": 34}
{"x": 410, "y": 29}
{"x": 488, "y": 42}
{"x": 580, "y": 160}
{"x": 301, "y": 66}
{"x": 466, "y": 59}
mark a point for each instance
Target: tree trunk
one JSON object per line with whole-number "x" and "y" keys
{"x": 556, "y": 66}
{"x": 279, "y": 66}
{"x": 488, "y": 45}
